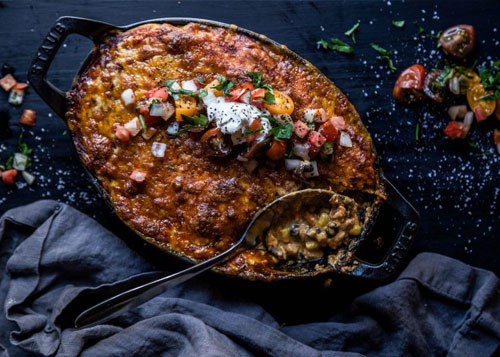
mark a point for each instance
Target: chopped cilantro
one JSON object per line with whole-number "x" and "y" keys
{"x": 352, "y": 32}
{"x": 200, "y": 120}
{"x": 224, "y": 85}
{"x": 65, "y": 132}
{"x": 490, "y": 79}
{"x": 200, "y": 80}
{"x": 23, "y": 147}
{"x": 9, "y": 162}
{"x": 483, "y": 154}
{"x": 249, "y": 132}
{"x": 335, "y": 45}
{"x": 169, "y": 83}
{"x": 420, "y": 29}
{"x": 259, "y": 83}
{"x": 202, "y": 93}
{"x": 398, "y": 23}
{"x": 171, "y": 167}
{"x": 417, "y": 132}
{"x": 384, "y": 55}
{"x": 143, "y": 123}
{"x": 283, "y": 131}
{"x": 256, "y": 78}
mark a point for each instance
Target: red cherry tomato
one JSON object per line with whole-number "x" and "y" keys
{"x": 237, "y": 92}
{"x": 458, "y": 41}
{"x": 258, "y": 94}
{"x": 329, "y": 130}
{"x": 122, "y": 133}
{"x": 8, "y": 176}
{"x": 28, "y": 117}
{"x": 480, "y": 114}
{"x": 255, "y": 125}
{"x": 409, "y": 85}
{"x": 159, "y": 92}
{"x": 433, "y": 88}
{"x": 300, "y": 129}
{"x": 277, "y": 150}
{"x": 456, "y": 130}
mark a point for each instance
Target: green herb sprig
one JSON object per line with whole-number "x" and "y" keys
{"x": 335, "y": 44}
{"x": 352, "y": 32}
{"x": 384, "y": 55}
{"x": 490, "y": 79}
{"x": 398, "y": 23}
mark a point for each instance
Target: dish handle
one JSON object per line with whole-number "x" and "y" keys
{"x": 40, "y": 65}
{"x": 397, "y": 254}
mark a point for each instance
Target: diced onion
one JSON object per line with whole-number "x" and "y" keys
{"x": 134, "y": 126}
{"x": 169, "y": 110}
{"x": 292, "y": 164}
{"x": 128, "y": 97}
{"x": 16, "y": 97}
{"x": 157, "y": 110}
{"x": 189, "y": 85}
{"x": 20, "y": 161}
{"x": 309, "y": 115}
{"x": 454, "y": 85}
{"x": 283, "y": 119}
{"x": 173, "y": 128}
{"x": 250, "y": 165}
{"x": 245, "y": 98}
{"x": 301, "y": 150}
{"x": 457, "y": 111}
{"x": 29, "y": 178}
{"x": 158, "y": 149}
{"x": 345, "y": 139}
{"x": 468, "y": 119}
{"x": 314, "y": 172}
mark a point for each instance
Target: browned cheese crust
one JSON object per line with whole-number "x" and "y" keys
{"x": 192, "y": 203}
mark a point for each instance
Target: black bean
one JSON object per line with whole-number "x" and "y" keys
{"x": 294, "y": 230}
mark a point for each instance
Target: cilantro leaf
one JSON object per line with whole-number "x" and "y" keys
{"x": 143, "y": 123}
{"x": 224, "y": 85}
{"x": 200, "y": 120}
{"x": 249, "y": 132}
{"x": 352, "y": 32}
{"x": 283, "y": 131}
{"x": 335, "y": 44}
{"x": 256, "y": 78}
{"x": 384, "y": 56}
{"x": 398, "y": 23}
{"x": 9, "y": 162}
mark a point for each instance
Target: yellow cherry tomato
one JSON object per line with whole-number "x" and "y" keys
{"x": 185, "y": 105}
{"x": 497, "y": 111}
{"x": 283, "y": 104}
{"x": 211, "y": 86}
{"x": 468, "y": 78}
{"x": 474, "y": 95}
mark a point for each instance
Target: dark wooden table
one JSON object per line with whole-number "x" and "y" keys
{"x": 454, "y": 186}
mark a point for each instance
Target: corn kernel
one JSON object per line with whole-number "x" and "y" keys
{"x": 323, "y": 220}
{"x": 356, "y": 230}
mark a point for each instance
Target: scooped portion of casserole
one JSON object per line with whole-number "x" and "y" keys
{"x": 191, "y": 130}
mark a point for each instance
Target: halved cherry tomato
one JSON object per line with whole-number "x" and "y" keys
{"x": 215, "y": 142}
{"x": 8, "y": 176}
{"x": 28, "y": 117}
{"x": 185, "y": 105}
{"x": 474, "y": 96}
{"x": 159, "y": 92}
{"x": 467, "y": 79}
{"x": 237, "y": 92}
{"x": 458, "y": 41}
{"x": 409, "y": 85}
{"x": 283, "y": 104}
{"x": 433, "y": 88}
{"x": 211, "y": 86}
{"x": 277, "y": 150}
{"x": 456, "y": 130}
{"x": 258, "y": 94}
{"x": 316, "y": 139}
{"x": 138, "y": 176}
{"x": 329, "y": 130}
{"x": 255, "y": 125}
{"x": 300, "y": 129}
{"x": 21, "y": 86}
{"x": 122, "y": 133}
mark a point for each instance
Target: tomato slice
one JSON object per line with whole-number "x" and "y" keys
{"x": 122, "y": 133}
{"x": 409, "y": 85}
{"x": 487, "y": 107}
{"x": 283, "y": 104}
{"x": 316, "y": 139}
{"x": 456, "y": 130}
{"x": 258, "y": 94}
{"x": 8, "y": 176}
{"x": 158, "y": 92}
{"x": 458, "y": 41}
{"x": 28, "y": 117}
{"x": 277, "y": 150}
{"x": 300, "y": 129}
{"x": 329, "y": 130}
{"x": 237, "y": 92}
{"x": 255, "y": 125}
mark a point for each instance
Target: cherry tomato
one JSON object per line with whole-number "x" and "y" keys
{"x": 28, "y": 117}
{"x": 277, "y": 150}
{"x": 215, "y": 142}
{"x": 237, "y": 92}
{"x": 409, "y": 85}
{"x": 474, "y": 96}
{"x": 433, "y": 88}
{"x": 458, "y": 41}
{"x": 467, "y": 79}
{"x": 255, "y": 125}
{"x": 211, "y": 86}
{"x": 256, "y": 95}
{"x": 283, "y": 104}
{"x": 300, "y": 129}
{"x": 8, "y": 176}
{"x": 122, "y": 133}
{"x": 185, "y": 105}
{"x": 159, "y": 92}
{"x": 456, "y": 130}
{"x": 329, "y": 130}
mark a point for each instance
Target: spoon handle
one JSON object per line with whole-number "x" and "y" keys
{"x": 126, "y": 298}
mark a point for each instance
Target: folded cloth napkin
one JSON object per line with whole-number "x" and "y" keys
{"x": 50, "y": 254}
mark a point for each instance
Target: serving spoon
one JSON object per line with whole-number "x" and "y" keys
{"x": 143, "y": 287}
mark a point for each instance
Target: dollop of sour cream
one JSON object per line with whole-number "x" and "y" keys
{"x": 231, "y": 117}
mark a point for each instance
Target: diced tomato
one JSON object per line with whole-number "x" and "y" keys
{"x": 8, "y": 82}
{"x": 329, "y": 130}
{"x": 8, "y": 176}
{"x": 480, "y": 114}
{"x": 258, "y": 94}
{"x": 316, "y": 139}
{"x": 28, "y": 117}
{"x": 21, "y": 86}
{"x": 122, "y": 133}
{"x": 149, "y": 119}
{"x": 409, "y": 85}
{"x": 456, "y": 130}
{"x": 255, "y": 125}
{"x": 159, "y": 92}
{"x": 277, "y": 150}
{"x": 237, "y": 92}
{"x": 338, "y": 122}
{"x": 300, "y": 129}
{"x": 138, "y": 176}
